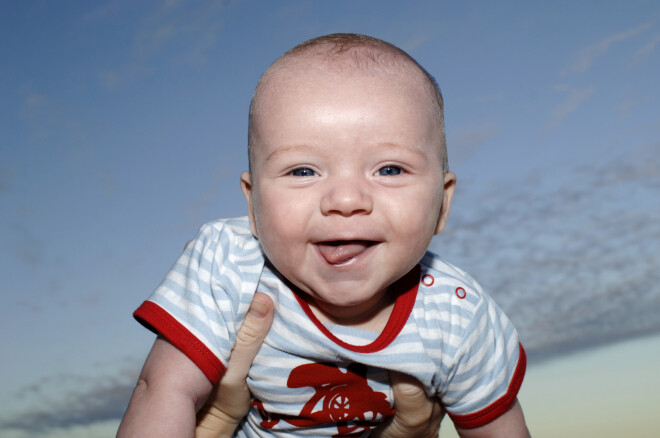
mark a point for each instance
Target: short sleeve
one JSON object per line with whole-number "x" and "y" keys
{"x": 200, "y": 303}
{"x": 488, "y": 369}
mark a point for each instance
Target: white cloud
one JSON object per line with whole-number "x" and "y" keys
{"x": 174, "y": 33}
{"x": 104, "y": 11}
{"x": 43, "y": 116}
{"x": 575, "y": 98}
{"x": 587, "y": 56}
{"x": 34, "y": 106}
{"x": 413, "y": 43}
{"x": 624, "y": 108}
{"x": 648, "y": 48}
{"x": 463, "y": 143}
{"x": 27, "y": 246}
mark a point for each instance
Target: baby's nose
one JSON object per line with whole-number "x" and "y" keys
{"x": 346, "y": 198}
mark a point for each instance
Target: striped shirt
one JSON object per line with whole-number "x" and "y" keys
{"x": 312, "y": 379}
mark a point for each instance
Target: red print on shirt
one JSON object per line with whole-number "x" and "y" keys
{"x": 342, "y": 398}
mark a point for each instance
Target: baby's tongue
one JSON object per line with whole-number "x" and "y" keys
{"x": 338, "y": 252}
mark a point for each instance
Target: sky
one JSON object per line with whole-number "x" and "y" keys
{"x": 123, "y": 128}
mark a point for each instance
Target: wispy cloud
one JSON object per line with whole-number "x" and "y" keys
{"x": 575, "y": 98}
{"x": 104, "y": 11}
{"x": 574, "y": 265}
{"x": 587, "y": 56}
{"x": 648, "y": 48}
{"x": 40, "y": 113}
{"x": 28, "y": 247}
{"x": 413, "y": 43}
{"x": 624, "y": 108}
{"x": 470, "y": 138}
{"x": 99, "y": 402}
{"x": 173, "y": 32}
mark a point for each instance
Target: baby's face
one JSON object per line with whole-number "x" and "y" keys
{"x": 347, "y": 187}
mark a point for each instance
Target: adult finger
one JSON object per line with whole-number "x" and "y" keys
{"x": 249, "y": 338}
{"x": 416, "y": 414}
{"x": 230, "y": 400}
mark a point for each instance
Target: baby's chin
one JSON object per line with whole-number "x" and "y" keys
{"x": 348, "y": 309}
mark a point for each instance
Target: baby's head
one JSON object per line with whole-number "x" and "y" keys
{"x": 348, "y": 176}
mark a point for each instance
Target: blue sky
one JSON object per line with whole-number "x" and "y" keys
{"x": 123, "y": 129}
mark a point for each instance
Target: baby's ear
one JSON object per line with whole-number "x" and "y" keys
{"x": 246, "y": 188}
{"x": 447, "y": 196}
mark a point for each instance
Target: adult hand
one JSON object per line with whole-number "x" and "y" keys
{"x": 230, "y": 400}
{"x": 416, "y": 414}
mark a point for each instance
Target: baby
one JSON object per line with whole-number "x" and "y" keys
{"x": 348, "y": 183}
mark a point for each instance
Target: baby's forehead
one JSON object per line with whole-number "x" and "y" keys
{"x": 349, "y": 101}
{"x": 314, "y": 69}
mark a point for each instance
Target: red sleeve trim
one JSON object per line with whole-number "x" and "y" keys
{"x": 501, "y": 405}
{"x": 406, "y": 287}
{"x": 158, "y": 320}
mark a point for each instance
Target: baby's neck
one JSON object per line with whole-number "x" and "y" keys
{"x": 374, "y": 321}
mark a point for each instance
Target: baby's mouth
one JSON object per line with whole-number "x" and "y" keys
{"x": 337, "y": 252}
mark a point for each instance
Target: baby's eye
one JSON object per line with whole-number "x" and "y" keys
{"x": 389, "y": 171}
{"x": 303, "y": 171}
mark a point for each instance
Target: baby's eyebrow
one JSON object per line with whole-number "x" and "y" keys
{"x": 401, "y": 146}
{"x": 288, "y": 149}
{"x": 307, "y": 149}
{"x": 391, "y": 147}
